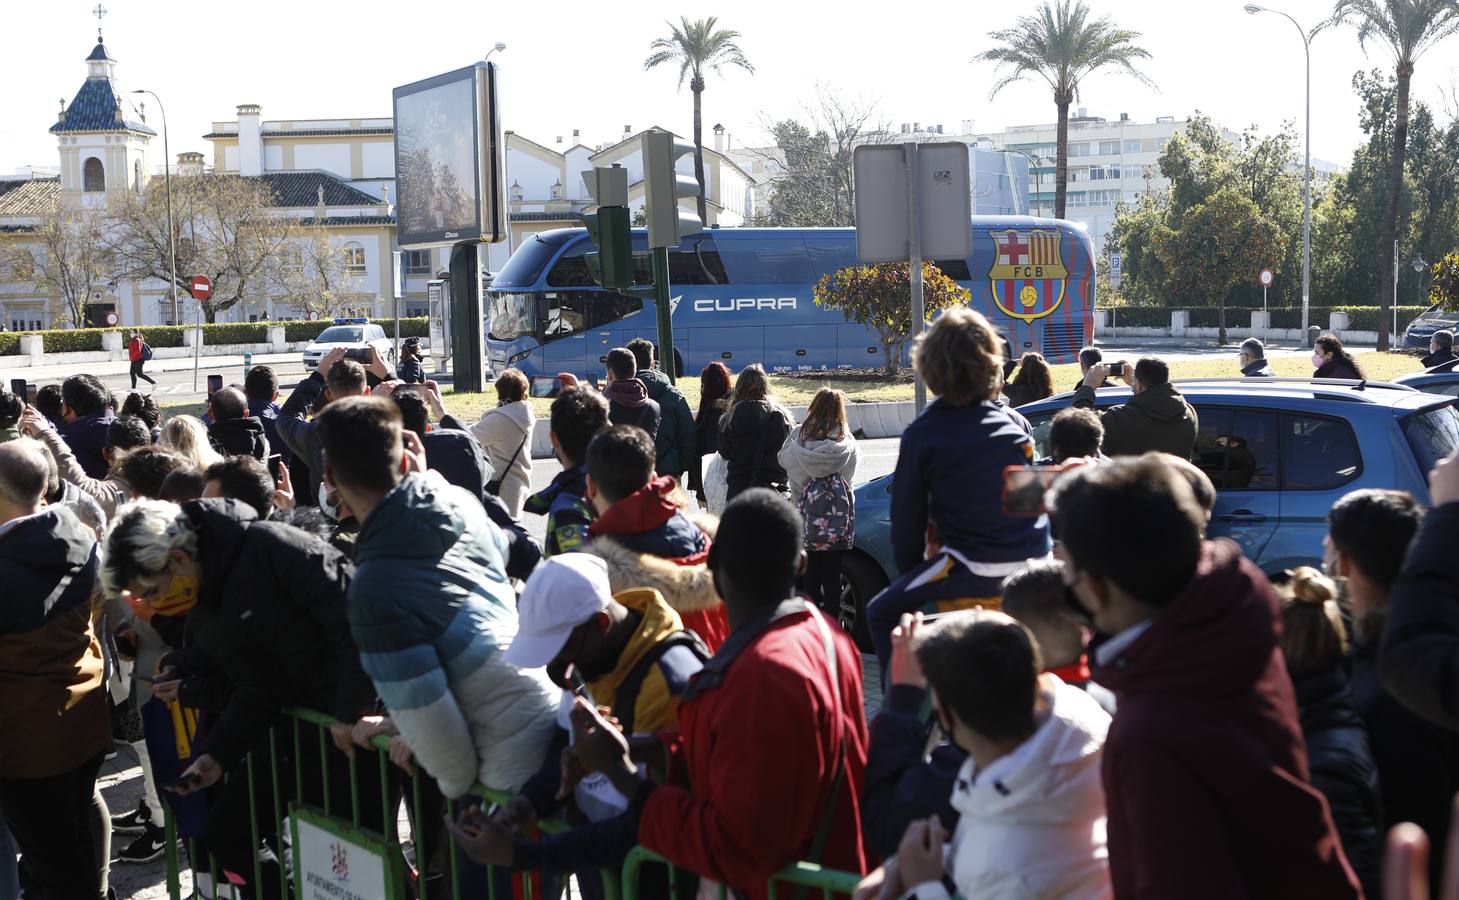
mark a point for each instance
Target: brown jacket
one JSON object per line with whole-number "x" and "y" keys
{"x": 52, "y": 699}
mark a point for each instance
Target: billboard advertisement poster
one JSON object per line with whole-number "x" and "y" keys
{"x": 333, "y": 861}
{"x": 448, "y": 160}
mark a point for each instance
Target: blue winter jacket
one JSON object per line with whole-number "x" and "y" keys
{"x": 432, "y": 613}
{"x": 950, "y": 469}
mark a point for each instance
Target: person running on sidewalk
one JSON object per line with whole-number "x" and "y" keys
{"x": 138, "y": 351}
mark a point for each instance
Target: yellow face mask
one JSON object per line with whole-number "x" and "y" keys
{"x": 179, "y": 598}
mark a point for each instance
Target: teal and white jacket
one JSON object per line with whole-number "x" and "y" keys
{"x": 432, "y": 612}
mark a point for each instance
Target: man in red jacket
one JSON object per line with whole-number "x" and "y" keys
{"x": 1205, "y": 768}
{"x": 773, "y": 744}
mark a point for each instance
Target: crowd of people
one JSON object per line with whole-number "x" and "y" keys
{"x": 1090, "y": 700}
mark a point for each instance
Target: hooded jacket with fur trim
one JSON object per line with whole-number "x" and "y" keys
{"x": 649, "y": 541}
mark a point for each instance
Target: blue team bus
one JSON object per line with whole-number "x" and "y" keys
{"x": 744, "y": 295}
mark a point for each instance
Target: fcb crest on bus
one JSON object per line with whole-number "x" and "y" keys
{"x": 1028, "y": 273}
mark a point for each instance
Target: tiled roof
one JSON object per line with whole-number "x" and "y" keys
{"x": 16, "y": 229}
{"x": 28, "y": 197}
{"x": 97, "y": 108}
{"x": 350, "y": 220}
{"x": 545, "y": 216}
{"x": 304, "y": 132}
{"x": 99, "y": 53}
{"x": 302, "y": 189}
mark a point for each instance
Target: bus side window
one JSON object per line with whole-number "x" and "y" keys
{"x": 696, "y": 262}
{"x": 754, "y": 260}
{"x": 571, "y": 270}
{"x": 956, "y": 269}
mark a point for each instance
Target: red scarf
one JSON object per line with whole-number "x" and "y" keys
{"x": 1078, "y": 673}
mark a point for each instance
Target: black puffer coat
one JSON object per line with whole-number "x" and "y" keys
{"x": 1342, "y": 768}
{"x": 271, "y": 617}
{"x": 751, "y": 446}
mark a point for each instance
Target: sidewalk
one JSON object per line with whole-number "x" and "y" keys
{"x": 122, "y": 367}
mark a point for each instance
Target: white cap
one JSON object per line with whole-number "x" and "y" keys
{"x": 564, "y": 592}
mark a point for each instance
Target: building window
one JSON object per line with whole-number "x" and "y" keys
{"x": 418, "y": 262}
{"x": 1078, "y": 149}
{"x": 137, "y": 176}
{"x": 1109, "y": 148}
{"x": 1077, "y": 198}
{"x": 1104, "y": 173}
{"x": 1132, "y": 146}
{"x": 93, "y": 176}
{"x": 354, "y": 258}
{"x": 292, "y": 259}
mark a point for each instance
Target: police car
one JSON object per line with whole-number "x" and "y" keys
{"x": 354, "y": 334}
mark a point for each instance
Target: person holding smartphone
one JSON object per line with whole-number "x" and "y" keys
{"x": 1157, "y": 418}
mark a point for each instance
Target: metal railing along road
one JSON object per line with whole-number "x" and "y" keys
{"x": 307, "y": 732}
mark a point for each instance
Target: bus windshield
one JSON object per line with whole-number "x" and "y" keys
{"x": 524, "y": 269}
{"x": 511, "y": 315}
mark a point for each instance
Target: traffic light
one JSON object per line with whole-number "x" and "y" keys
{"x": 611, "y": 265}
{"x": 664, "y": 187}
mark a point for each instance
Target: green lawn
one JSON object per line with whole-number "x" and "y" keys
{"x": 862, "y": 388}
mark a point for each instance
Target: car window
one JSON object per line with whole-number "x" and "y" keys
{"x": 1433, "y": 435}
{"x": 1041, "y": 425}
{"x": 1237, "y": 448}
{"x": 1318, "y": 453}
{"x": 340, "y": 334}
{"x": 377, "y": 333}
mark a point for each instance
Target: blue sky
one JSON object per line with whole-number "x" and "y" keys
{"x": 579, "y": 65}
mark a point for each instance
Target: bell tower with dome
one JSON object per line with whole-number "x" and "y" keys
{"x": 102, "y": 137}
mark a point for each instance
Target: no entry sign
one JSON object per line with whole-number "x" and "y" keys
{"x": 201, "y": 287}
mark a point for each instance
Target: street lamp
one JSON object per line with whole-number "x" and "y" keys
{"x": 1418, "y": 267}
{"x": 499, "y": 47}
{"x": 171, "y": 234}
{"x": 1253, "y": 9}
{"x": 1035, "y": 177}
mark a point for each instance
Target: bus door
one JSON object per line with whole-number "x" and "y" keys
{"x": 563, "y": 335}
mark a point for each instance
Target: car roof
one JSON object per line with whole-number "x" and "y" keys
{"x": 1296, "y": 393}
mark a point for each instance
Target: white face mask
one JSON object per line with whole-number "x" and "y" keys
{"x": 1317, "y": 360}
{"x": 329, "y": 509}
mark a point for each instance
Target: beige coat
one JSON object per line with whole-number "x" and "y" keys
{"x": 501, "y": 432}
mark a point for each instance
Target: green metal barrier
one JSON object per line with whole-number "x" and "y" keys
{"x": 307, "y": 731}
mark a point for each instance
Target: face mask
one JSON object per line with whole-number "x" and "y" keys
{"x": 1317, "y": 360}
{"x": 180, "y": 598}
{"x": 330, "y": 509}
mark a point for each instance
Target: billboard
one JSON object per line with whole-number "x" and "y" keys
{"x": 448, "y": 160}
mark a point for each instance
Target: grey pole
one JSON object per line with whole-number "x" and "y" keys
{"x": 914, "y": 253}
{"x": 171, "y": 233}
{"x": 1253, "y": 9}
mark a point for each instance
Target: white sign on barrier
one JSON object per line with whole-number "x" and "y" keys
{"x": 330, "y": 867}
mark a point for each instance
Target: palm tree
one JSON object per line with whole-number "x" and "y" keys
{"x": 698, "y": 46}
{"x": 1407, "y": 28}
{"x": 1061, "y": 45}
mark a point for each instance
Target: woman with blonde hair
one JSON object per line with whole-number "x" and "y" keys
{"x": 751, "y": 433}
{"x": 188, "y": 436}
{"x": 505, "y": 432}
{"x": 1315, "y": 646}
{"x": 820, "y": 458}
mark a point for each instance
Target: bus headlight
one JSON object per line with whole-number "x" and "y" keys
{"x": 519, "y": 357}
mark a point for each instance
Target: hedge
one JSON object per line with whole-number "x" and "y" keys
{"x": 1360, "y": 318}
{"x": 9, "y": 343}
{"x": 76, "y": 340}
{"x": 235, "y": 333}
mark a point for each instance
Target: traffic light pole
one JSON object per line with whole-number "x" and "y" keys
{"x": 663, "y": 306}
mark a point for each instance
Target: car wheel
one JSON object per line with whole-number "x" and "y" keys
{"x": 861, "y": 580}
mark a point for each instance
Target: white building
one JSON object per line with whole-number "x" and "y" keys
{"x": 1109, "y": 162}
{"x": 332, "y": 174}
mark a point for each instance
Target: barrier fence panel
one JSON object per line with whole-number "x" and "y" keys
{"x": 298, "y": 827}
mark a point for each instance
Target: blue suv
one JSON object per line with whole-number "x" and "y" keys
{"x": 1279, "y": 451}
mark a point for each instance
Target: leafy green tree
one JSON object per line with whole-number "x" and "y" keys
{"x": 879, "y": 296}
{"x": 698, "y": 47}
{"x": 1407, "y": 29}
{"x": 1062, "y": 45}
{"x": 1445, "y": 288}
{"x": 1217, "y": 246}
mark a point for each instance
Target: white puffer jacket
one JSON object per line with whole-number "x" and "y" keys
{"x": 804, "y": 461}
{"x": 1033, "y": 823}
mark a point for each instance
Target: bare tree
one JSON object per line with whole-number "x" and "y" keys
{"x": 227, "y": 227}
{"x": 811, "y": 159}
{"x": 73, "y": 257}
{"x": 314, "y": 276}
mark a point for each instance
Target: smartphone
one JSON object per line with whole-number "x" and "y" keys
{"x": 276, "y": 466}
{"x": 215, "y": 384}
{"x": 1117, "y": 369}
{"x": 17, "y": 387}
{"x": 30, "y": 392}
{"x": 156, "y": 679}
{"x": 190, "y": 782}
{"x": 1024, "y": 488}
{"x": 358, "y": 354}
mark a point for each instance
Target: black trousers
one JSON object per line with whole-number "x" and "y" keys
{"x": 138, "y": 373}
{"x": 822, "y": 581}
{"x": 50, "y": 819}
{"x": 227, "y": 834}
